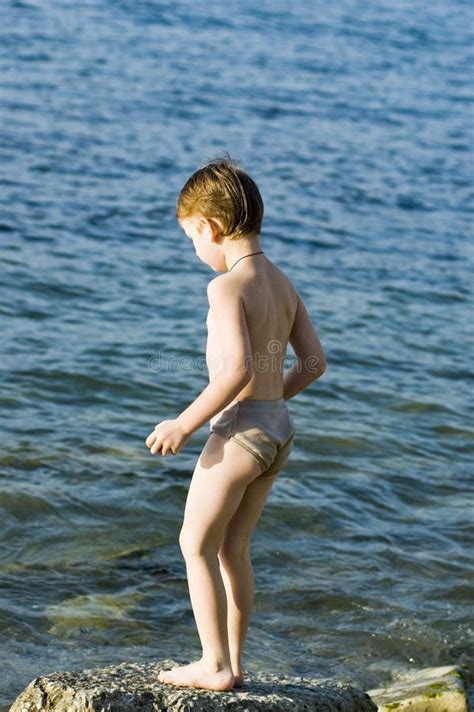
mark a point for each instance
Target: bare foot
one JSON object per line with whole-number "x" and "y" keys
{"x": 198, "y": 674}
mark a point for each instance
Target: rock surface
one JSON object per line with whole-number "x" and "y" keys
{"x": 135, "y": 687}
{"x": 439, "y": 689}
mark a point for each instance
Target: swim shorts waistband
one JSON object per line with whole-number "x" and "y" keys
{"x": 271, "y": 402}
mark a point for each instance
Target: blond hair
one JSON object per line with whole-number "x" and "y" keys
{"x": 223, "y": 191}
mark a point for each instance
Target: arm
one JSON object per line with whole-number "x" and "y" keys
{"x": 236, "y": 355}
{"x": 311, "y": 361}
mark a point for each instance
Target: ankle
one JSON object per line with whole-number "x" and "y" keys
{"x": 217, "y": 664}
{"x": 236, "y": 666}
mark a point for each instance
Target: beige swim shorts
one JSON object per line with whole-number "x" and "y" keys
{"x": 263, "y": 427}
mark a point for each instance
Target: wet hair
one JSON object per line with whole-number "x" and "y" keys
{"x": 223, "y": 191}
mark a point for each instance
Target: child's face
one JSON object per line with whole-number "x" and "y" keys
{"x": 204, "y": 235}
{"x": 191, "y": 227}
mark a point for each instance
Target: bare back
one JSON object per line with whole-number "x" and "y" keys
{"x": 270, "y": 304}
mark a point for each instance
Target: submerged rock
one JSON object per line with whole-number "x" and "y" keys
{"x": 440, "y": 689}
{"x": 134, "y": 687}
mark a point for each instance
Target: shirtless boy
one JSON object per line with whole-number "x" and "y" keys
{"x": 254, "y": 311}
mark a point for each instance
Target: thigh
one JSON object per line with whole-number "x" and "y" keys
{"x": 247, "y": 514}
{"x": 222, "y": 474}
{"x": 240, "y": 527}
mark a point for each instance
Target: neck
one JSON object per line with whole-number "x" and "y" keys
{"x": 235, "y": 249}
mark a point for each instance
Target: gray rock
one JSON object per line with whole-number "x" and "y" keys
{"x": 440, "y": 689}
{"x": 135, "y": 686}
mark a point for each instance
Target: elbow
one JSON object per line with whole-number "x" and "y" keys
{"x": 314, "y": 366}
{"x": 244, "y": 375}
{"x": 237, "y": 375}
{"x": 323, "y": 366}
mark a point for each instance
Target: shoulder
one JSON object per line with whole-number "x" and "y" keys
{"x": 223, "y": 287}
{"x": 284, "y": 276}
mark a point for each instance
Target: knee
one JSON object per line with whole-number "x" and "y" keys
{"x": 234, "y": 550}
{"x": 187, "y": 543}
{"x": 192, "y": 545}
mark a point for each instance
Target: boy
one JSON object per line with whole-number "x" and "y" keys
{"x": 254, "y": 310}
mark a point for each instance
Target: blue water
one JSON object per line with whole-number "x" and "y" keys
{"x": 356, "y": 121}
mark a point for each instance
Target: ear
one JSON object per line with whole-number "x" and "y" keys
{"x": 202, "y": 225}
{"x": 215, "y": 229}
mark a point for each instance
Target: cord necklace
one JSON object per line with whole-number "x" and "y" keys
{"x": 241, "y": 258}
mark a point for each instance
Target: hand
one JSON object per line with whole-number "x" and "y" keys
{"x": 168, "y": 436}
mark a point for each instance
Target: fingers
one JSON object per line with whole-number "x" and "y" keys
{"x": 157, "y": 445}
{"x": 150, "y": 439}
{"x": 165, "y": 450}
{"x": 153, "y": 443}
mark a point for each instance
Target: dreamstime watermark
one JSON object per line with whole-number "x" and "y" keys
{"x": 271, "y": 361}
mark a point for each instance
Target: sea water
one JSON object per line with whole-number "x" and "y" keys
{"x": 356, "y": 121}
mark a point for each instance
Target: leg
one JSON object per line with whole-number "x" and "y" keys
{"x": 236, "y": 568}
{"x": 222, "y": 474}
{"x": 234, "y": 558}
